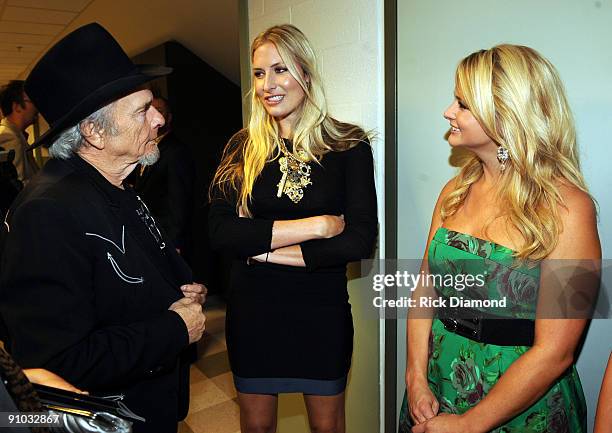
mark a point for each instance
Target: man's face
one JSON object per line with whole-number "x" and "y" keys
{"x": 161, "y": 106}
{"x": 136, "y": 123}
{"x": 28, "y": 111}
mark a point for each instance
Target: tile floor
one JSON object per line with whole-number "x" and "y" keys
{"x": 213, "y": 407}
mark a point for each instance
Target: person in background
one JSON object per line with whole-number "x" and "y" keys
{"x": 518, "y": 213}
{"x": 90, "y": 289}
{"x": 19, "y": 113}
{"x": 18, "y": 395}
{"x": 167, "y": 186}
{"x": 294, "y": 201}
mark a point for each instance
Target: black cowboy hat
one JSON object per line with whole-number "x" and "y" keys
{"x": 84, "y": 71}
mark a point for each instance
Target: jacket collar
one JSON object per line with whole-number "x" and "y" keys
{"x": 112, "y": 193}
{"x": 116, "y": 197}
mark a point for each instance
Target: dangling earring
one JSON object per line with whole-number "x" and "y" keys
{"x": 502, "y": 156}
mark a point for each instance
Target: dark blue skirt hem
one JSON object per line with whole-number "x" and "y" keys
{"x": 280, "y": 385}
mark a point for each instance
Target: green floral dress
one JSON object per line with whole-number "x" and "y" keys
{"x": 462, "y": 371}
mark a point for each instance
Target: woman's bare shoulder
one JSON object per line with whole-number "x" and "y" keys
{"x": 578, "y": 205}
{"x": 578, "y": 237}
{"x": 448, "y": 187}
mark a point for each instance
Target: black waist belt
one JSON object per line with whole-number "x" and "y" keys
{"x": 488, "y": 328}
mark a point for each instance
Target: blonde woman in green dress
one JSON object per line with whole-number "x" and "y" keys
{"x": 518, "y": 207}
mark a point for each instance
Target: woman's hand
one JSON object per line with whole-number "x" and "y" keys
{"x": 195, "y": 291}
{"x": 444, "y": 423}
{"x": 330, "y": 225}
{"x": 422, "y": 404}
{"x": 47, "y": 378}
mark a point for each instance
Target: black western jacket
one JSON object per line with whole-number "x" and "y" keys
{"x": 86, "y": 279}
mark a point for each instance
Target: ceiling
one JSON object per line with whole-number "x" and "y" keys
{"x": 209, "y": 28}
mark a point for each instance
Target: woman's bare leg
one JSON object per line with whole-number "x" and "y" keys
{"x": 257, "y": 413}
{"x": 325, "y": 413}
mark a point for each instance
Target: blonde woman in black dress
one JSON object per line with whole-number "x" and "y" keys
{"x": 294, "y": 200}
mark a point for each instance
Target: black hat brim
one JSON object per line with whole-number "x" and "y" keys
{"x": 99, "y": 98}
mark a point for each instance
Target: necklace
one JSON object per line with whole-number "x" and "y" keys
{"x": 296, "y": 174}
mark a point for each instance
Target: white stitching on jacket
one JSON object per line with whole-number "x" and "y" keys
{"x": 122, "y": 249}
{"x": 120, "y": 273}
{"x": 125, "y": 277}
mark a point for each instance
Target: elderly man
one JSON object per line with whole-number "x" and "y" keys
{"x": 90, "y": 288}
{"x": 19, "y": 113}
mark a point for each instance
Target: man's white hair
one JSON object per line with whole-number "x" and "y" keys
{"x": 70, "y": 140}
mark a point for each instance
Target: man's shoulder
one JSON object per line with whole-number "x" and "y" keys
{"x": 61, "y": 201}
{"x": 7, "y": 135}
{"x": 6, "y": 130}
{"x": 61, "y": 183}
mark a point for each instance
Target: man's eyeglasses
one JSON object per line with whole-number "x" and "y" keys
{"x": 149, "y": 222}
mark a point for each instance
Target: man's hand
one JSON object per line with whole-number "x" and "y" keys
{"x": 190, "y": 311}
{"x": 47, "y": 378}
{"x": 195, "y": 291}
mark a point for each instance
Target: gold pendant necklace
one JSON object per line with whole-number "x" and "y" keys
{"x": 296, "y": 175}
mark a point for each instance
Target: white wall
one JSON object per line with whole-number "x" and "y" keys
{"x": 347, "y": 36}
{"x": 433, "y": 37}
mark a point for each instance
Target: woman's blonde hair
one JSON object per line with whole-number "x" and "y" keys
{"x": 519, "y": 100}
{"x": 315, "y": 132}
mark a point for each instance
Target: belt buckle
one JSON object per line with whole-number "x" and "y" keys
{"x": 450, "y": 324}
{"x": 469, "y": 328}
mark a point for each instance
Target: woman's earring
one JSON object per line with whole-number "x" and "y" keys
{"x": 502, "y": 156}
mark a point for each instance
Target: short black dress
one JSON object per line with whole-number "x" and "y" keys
{"x": 289, "y": 329}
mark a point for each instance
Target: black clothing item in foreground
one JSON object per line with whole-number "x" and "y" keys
{"x": 85, "y": 290}
{"x": 286, "y": 324}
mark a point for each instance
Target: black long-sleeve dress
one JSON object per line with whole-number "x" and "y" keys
{"x": 289, "y": 329}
